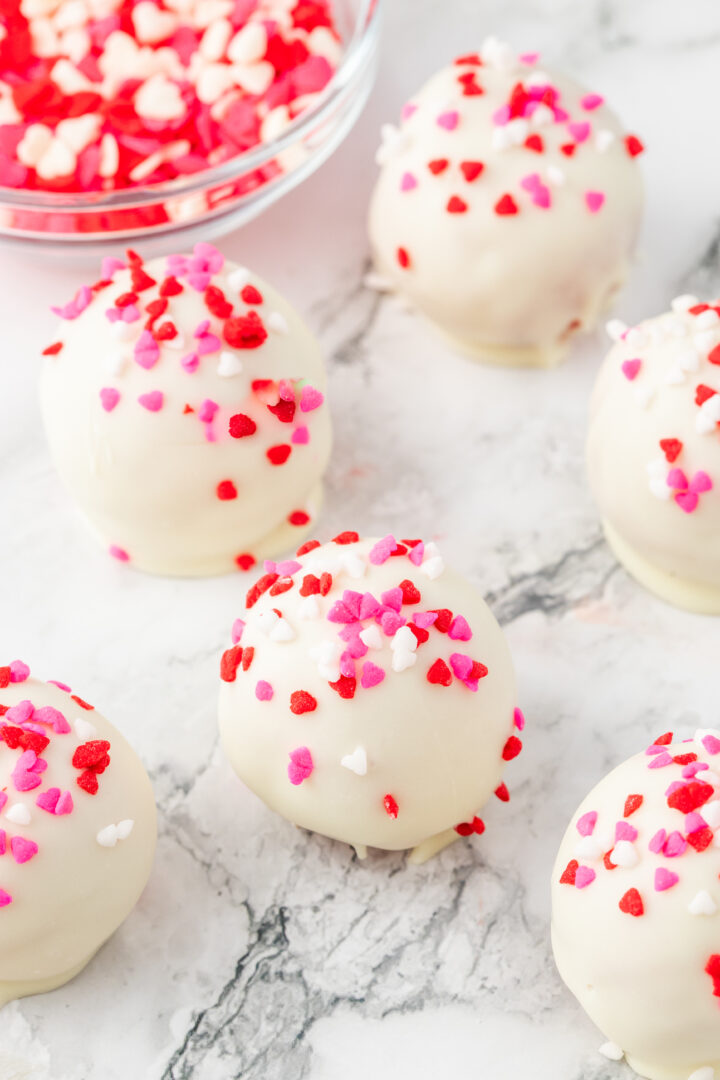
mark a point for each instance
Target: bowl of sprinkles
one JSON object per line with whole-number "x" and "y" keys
{"x": 140, "y": 118}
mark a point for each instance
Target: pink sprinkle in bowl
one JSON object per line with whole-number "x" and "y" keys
{"x": 215, "y": 201}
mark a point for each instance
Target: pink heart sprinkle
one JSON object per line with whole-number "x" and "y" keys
{"x": 700, "y": 482}
{"x": 624, "y": 831}
{"x": 207, "y": 411}
{"x": 584, "y": 876}
{"x": 347, "y": 664}
{"x": 687, "y": 501}
{"x": 310, "y": 399}
{"x": 300, "y": 436}
{"x": 108, "y": 267}
{"x": 425, "y": 619}
{"x": 340, "y": 613}
{"x": 694, "y": 822}
{"x": 660, "y": 762}
{"x": 460, "y": 629}
{"x": 190, "y": 362}
{"x": 529, "y": 58}
{"x": 580, "y": 131}
{"x": 352, "y": 601}
{"x": 677, "y": 480}
{"x": 461, "y": 665}
{"x": 541, "y": 197}
{"x": 519, "y": 719}
{"x": 449, "y": 120}
{"x": 594, "y": 200}
{"x": 237, "y": 630}
{"x": 630, "y": 368}
{"x": 146, "y": 350}
{"x": 199, "y": 281}
{"x": 263, "y": 690}
{"x": 531, "y": 182}
{"x": 371, "y": 675}
{"x": 393, "y": 598}
{"x": 48, "y": 715}
{"x": 301, "y": 765}
{"x": 47, "y": 800}
{"x": 5, "y": 898}
{"x": 208, "y": 343}
{"x": 118, "y": 553}
{"x": 369, "y": 606}
{"x": 288, "y": 567}
{"x": 586, "y": 824}
{"x": 130, "y": 314}
{"x": 20, "y": 713}
{"x": 391, "y": 623}
{"x": 109, "y": 398}
{"x": 658, "y": 842}
{"x": 408, "y": 110}
{"x": 65, "y": 804}
{"x": 665, "y": 879}
{"x": 19, "y": 672}
{"x": 711, "y": 744}
{"x": 286, "y": 390}
{"x": 415, "y": 554}
{"x": 591, "y": 101}
{"x": 23, "y": 850}
{"x": 382, "y": 551}
{"x": 408, "y": 182}
{"x": 153, "y": 401}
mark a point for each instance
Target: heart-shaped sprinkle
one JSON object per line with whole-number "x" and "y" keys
{"x": 585, "y": 876}
{"x": 631, "y": 903}
{"x": 301, "y": 765}
{"x": 594, "y": 200}
{"x": 665, "y": 879}
{"x": 449, "y": 120}
{"x": 586, "y": 824}
{"x": 356, "y": 762}
{"x": 408, "y": 182}
{"x": 460, "y": 629}
{"x": 109, "y": 398}
{"x": 23, "y": 850}
{"x": 146, "y": 351}
{"x": 372, "y": 675}
{"x": 153, "y": 401}
{"x": 19, "y": 814}
{"x": 702, "y": 904}
{"x": 310, "y": 399}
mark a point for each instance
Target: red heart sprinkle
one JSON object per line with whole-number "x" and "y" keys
{"x": 440, "y": 673}
{"x": 631, "y": 903}
{"x": 302, "y": 702}
{"x": 672, "y": 448}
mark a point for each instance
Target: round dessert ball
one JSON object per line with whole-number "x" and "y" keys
{"x": 184, "y": 406}
{"x": 635, "y": 924}
{"x": 654, "y": 452}
{"x": 369, "y": 695}
{"x": 77, "y": 832}
{"x": 507, "y": 206}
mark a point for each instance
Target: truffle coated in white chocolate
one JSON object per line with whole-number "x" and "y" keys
{"x": 507, "y": 206}
{"x": 639, "y": 944}
{"x": 654, "y": 453}
{"x": 347, "y": 722}
{"x": 196, "y": 445}
{"x": 72, "y": 862}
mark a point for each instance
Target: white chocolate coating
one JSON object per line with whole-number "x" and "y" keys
{"x": 647, "y": 390}
{"x": 437, "y": 750}
{"x": 73, "y": 892}
{"x": 642, "y": 978}
{"x": 509, "y": 288}
{"x": 148, "y": 481}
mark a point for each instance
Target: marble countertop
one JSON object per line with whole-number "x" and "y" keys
{"x": 258, "y": 951}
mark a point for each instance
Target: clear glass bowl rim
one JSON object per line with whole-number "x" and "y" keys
{"x": 353, "y": 58}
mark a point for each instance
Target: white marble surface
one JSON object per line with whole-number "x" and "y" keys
{"x": 264, "y": 953}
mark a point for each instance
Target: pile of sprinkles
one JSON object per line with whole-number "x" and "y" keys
{"x": 26, "y": 731}
{"x": 100, "y": 95}
{"x": 145, "y": 327}
{"x": 351, "y": 659}
{"x": 532, "y": 119}
{"x": 693, "y": 795}
{"x": 693, "y": 328}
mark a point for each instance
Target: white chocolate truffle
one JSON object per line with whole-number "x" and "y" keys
{"x": 654, "y": 453}
{"x": 507, "y": 206}
{"x": 184, "y": 407}
{"x": 369, "y": 695}
{"x": 77, "y": 833}
{"x": 636, "y": 909}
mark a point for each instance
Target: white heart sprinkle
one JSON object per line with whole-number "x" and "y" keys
{"x": 433, "y": 568}
{"x": 402, "y": 660}
{"x": 611, "y": 1051}
{"x": 122, "y": 331}
{"x": 109, "y": 836}
{"x": 356, "y": 762}
{"x": 124, "y": 828}
{"x": 604, "y": 140}
{"x": 308, "y": 608}
{"x": 371, "y": 636}
{"x": 615, "y": 329}
{"x": 404, "y": 640}
{"x": 624, "y": 855}
{"x": 589, "y": 849}
{"x": 278, "y": 323}
{"x": 229, "y": 365}
{"x": 19, "y": 814}
{"x": 282, "y": 631}
{"x": 84, "y": 729}
{"x": 682, "y": 304}
{"x": 702, "y": 904}
{"x": 711, "y": 811}
{"x": 238, "y": 278}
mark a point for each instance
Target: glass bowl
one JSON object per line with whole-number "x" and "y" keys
{"x": 216, "y": 200}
